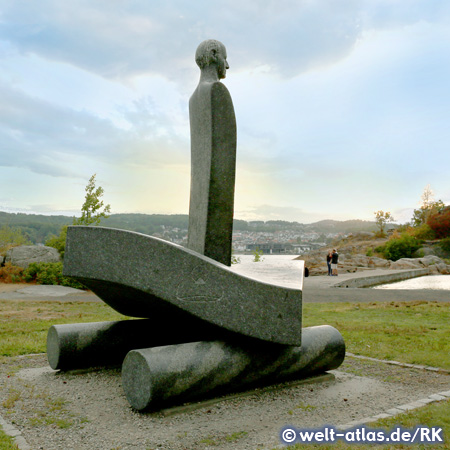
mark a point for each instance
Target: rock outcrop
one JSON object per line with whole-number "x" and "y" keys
{"x": 353, "y": 262}
{"x": 24, "y": 255}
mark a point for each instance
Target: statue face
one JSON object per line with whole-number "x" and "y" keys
{"x": 222, "y": 63}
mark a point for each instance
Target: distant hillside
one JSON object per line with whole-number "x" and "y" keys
{"x": 39, "y": 228}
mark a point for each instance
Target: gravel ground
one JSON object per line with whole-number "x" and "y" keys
{"x": 88, "y": 409}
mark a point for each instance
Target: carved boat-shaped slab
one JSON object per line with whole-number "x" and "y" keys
{"x": 143, "y": 276}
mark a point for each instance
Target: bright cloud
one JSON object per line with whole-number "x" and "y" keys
{"x": 342, "y": 107}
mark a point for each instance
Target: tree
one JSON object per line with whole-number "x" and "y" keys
{"x": 439, "y": 222}
{"x": 90, "y": 215}
{"x": 58, "y": 242}
{"x": 11, "y": 237}
{"x": 427, "y": 208}
{"x": 257, "y": 255}
{"x": 381, "y": 219}
{"x": 90, "y": 211}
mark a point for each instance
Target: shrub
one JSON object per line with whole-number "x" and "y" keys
{"x": 257, "y": 255}
{"x": 49, "y": 273}
{"x": 402, "y": 246}
{"x": 58, "y": 242}
{"x": 11, "y": 274}
{"x": 440, "y": 222}
{"x": 445, "y": 244}
{"x": 423, "y": 232}
{"x": 369, "y": 252}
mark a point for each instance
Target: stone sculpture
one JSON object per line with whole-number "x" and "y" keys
{"x": 213, "y": 157}
{"x": 205, "y": 330}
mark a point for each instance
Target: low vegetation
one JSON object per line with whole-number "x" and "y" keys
{"x": 399, "y": 246}
{"x": 38, "y": 273}
{"x": 24, "y": 324}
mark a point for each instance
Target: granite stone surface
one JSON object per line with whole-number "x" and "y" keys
{"x": 96, "y": 344}
{"x": 160, "y": 376}
{"x": 213, "y": 157}
{"x": 206, "y": 330}
{"x": 155, "y": 278}
{"x": 24, "y": 255}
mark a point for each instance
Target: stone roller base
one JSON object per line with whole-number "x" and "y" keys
{"x": 95, "y": 344}
{"x": 157, "y": 377}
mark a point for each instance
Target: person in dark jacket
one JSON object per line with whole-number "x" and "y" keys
{"x": 334, "y": 263}
{"x": 329, "y": 262}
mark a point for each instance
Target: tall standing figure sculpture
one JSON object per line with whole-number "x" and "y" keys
{"x": 213, "y": 157}
{"x": 206, "y": 330}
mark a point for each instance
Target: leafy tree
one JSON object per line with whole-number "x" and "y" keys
{"x": 439, "y": 222}
{"x": 91, "y": 214}
{"x": 257, "y": 255}
{"x": 58, "y": 242}
{"x": 427, "y": 208}
{"x": 90, "y": 211}
{"x": 381, "y": 219}
{"x": 11, "y": 237}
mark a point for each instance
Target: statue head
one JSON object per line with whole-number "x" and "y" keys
{"x": 212, "y": 53}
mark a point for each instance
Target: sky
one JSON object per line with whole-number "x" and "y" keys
{"x": 342, "y": 107}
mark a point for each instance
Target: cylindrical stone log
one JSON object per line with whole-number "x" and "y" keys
{"x": 94, "y": 344}
{"x": 162, "y": 376}
{"x": 79, "y": 345}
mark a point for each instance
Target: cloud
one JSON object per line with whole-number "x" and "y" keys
{"x": 334, "y": 100}
{"x": 57, "y": 141}
{"x": 129, "y": 39}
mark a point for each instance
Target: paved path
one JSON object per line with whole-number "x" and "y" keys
{"x": 317, "y": 289}
{"x": 34, "y": 292}
{"x": 320, "y": 289}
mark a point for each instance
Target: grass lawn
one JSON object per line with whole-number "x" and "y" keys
{"x": 6, "y": 442}
{"x": 416, "y": 332}
{"x": 24, "y": 324}
{"x": 410, "y": 332}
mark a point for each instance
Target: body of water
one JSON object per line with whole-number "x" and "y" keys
{"x": 282, "y": 270}
{"x": 440, "y": 282}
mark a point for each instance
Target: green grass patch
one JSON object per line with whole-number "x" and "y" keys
{"x": 436, "y": 414}
{"x": 24, "y": 324}
{"x": 6, "y": 442}
{"x": 410, "y": 332}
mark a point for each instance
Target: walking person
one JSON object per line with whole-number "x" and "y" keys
{"x": 329, "y": 255}
{"x": 334, "y": 263}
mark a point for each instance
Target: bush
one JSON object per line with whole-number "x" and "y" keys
{"x": 445, "y": 244}
{"x": 402, "y": 246}
{"x": 50, "y": 274}
{"x": 58, "y": 242}
{"x": 11, "y": 274}
{"x": 257, "y": 254}
{"x": 440, "y": 223}
{"x": 423, "y": 232}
